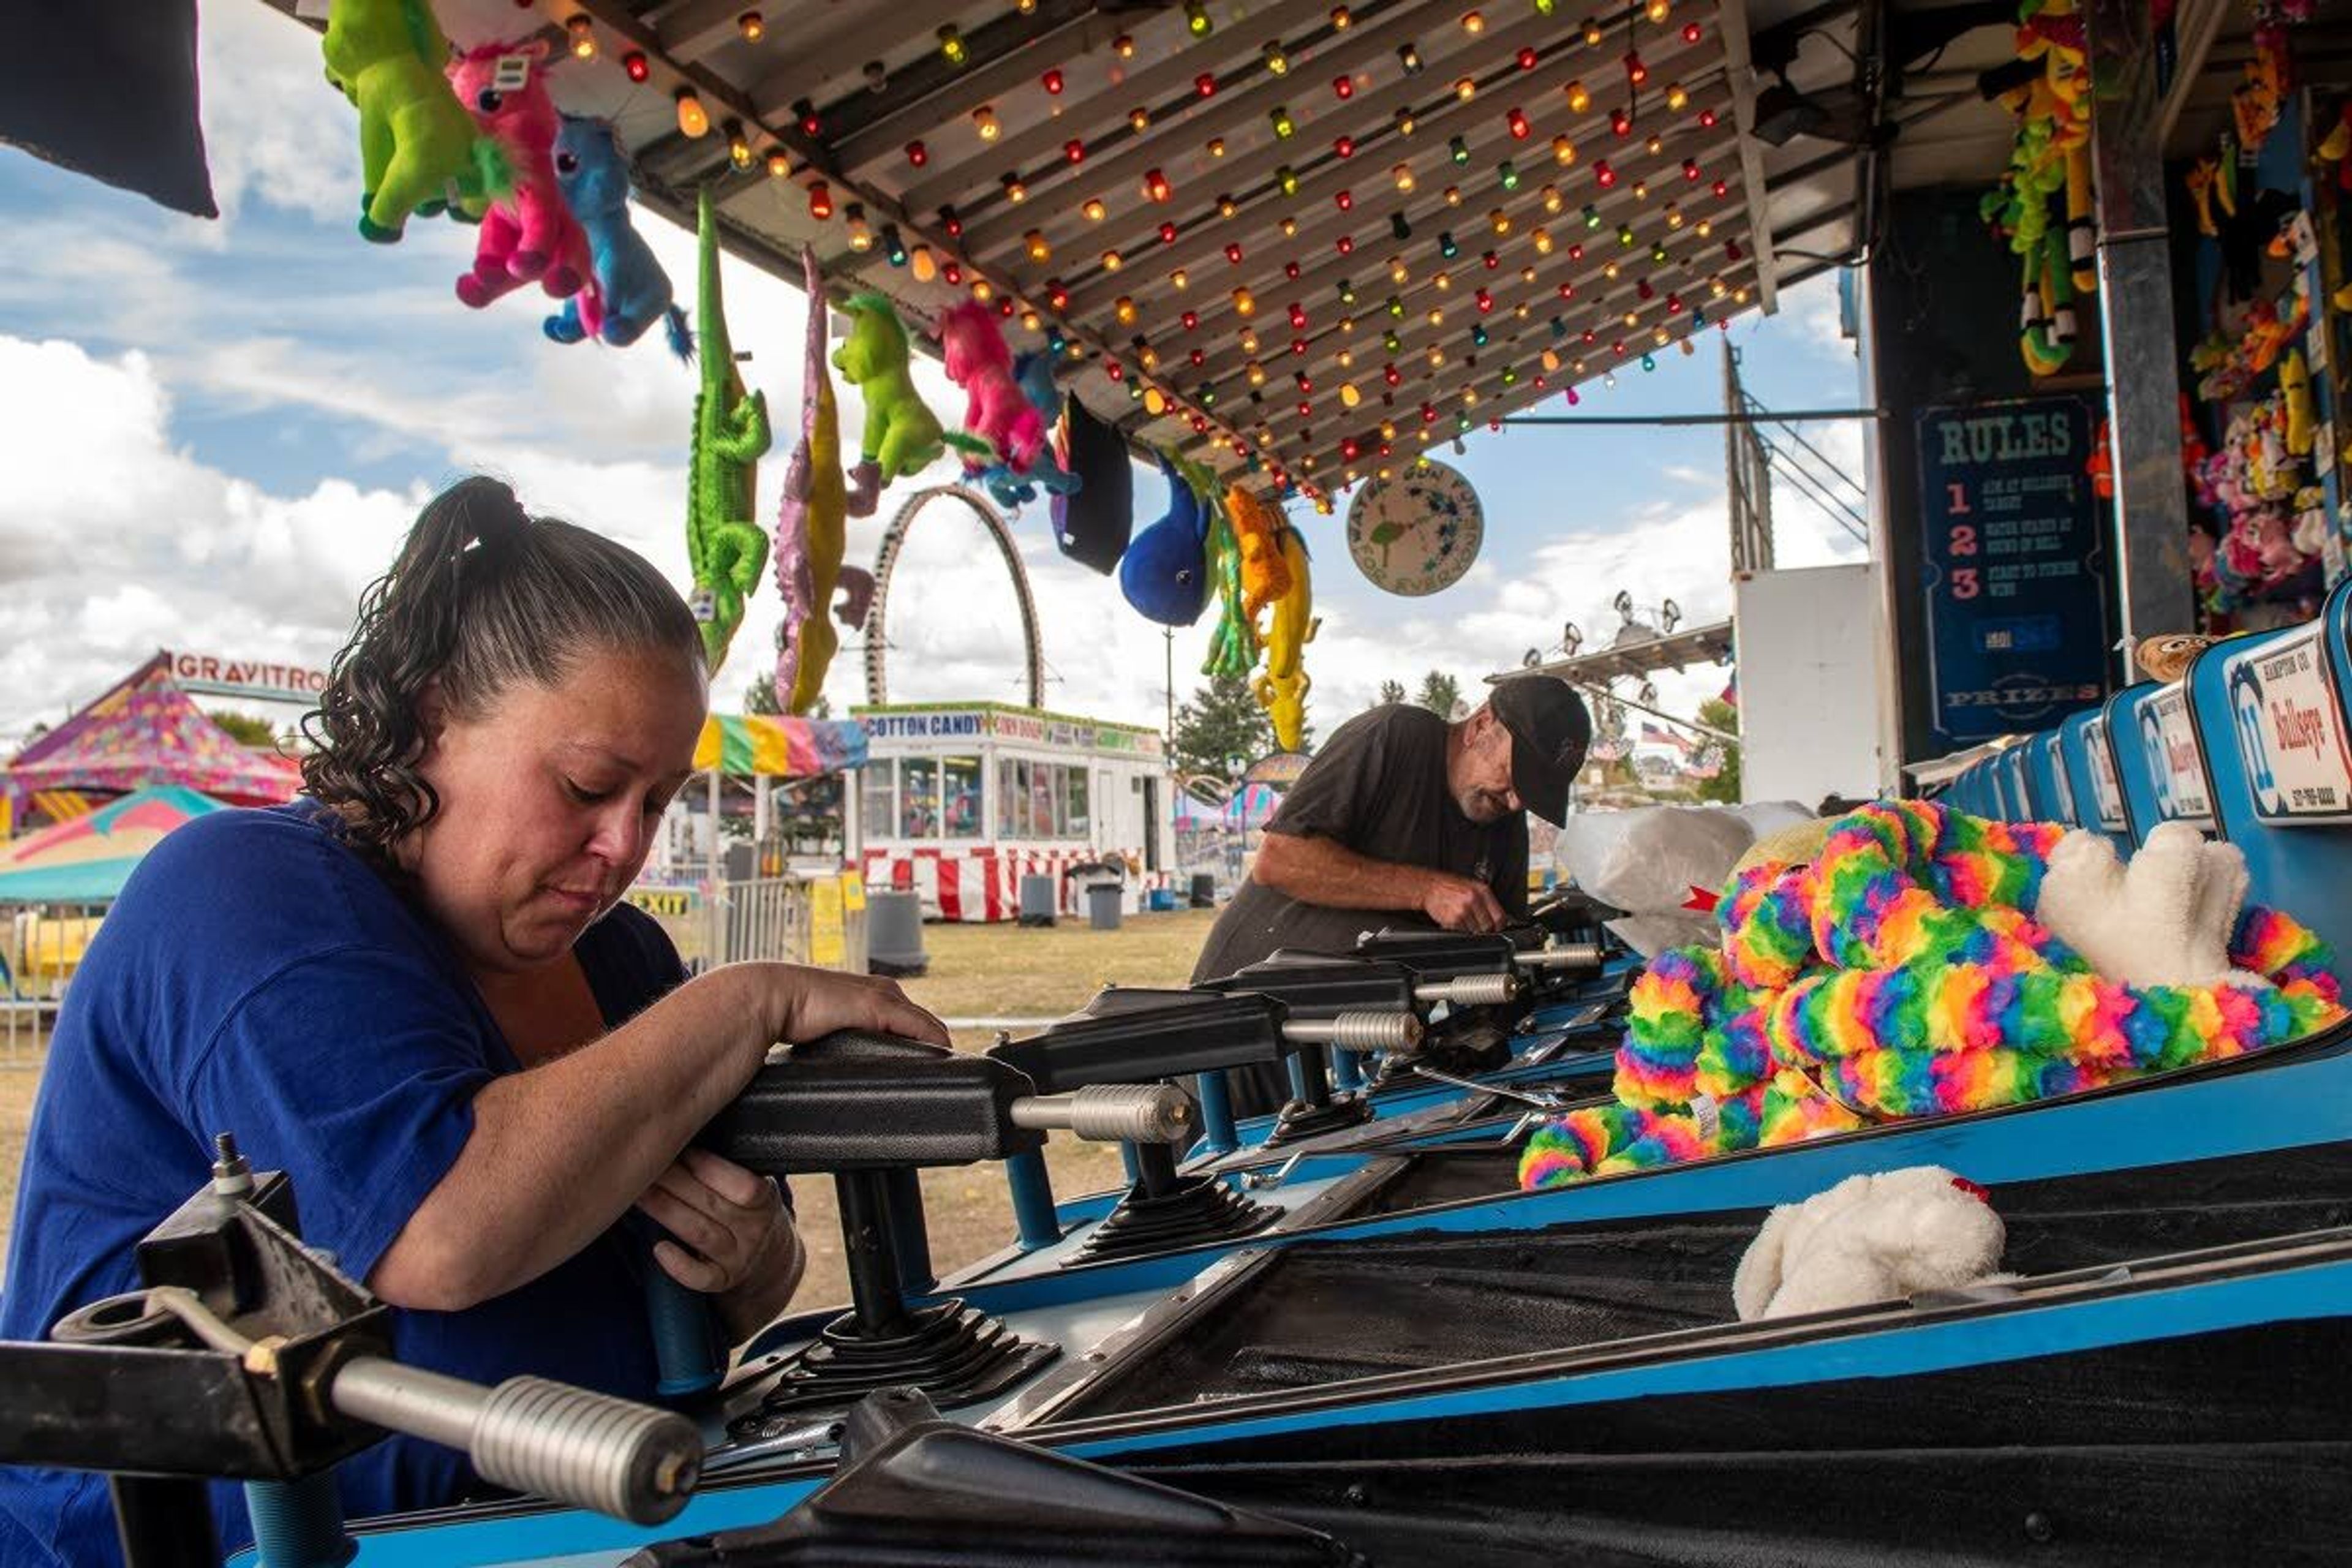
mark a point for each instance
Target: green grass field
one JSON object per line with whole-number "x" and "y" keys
{"x": 1001, "y": 970}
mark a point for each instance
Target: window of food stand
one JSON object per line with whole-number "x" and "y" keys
{"x": 959, "y": 807}
{"x": 1041, "y": 800}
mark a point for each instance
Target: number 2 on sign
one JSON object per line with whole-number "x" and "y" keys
{"x": 1964, "y": 582}
{"x": 1959, "y": 499}
{"x": 1963, "y": 540}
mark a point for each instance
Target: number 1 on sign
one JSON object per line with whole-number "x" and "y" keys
{"x": 1959, "y": 499}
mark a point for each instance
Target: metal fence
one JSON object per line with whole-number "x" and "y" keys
{"x": 817, "y": 920}
{"x": 40, "y": 948}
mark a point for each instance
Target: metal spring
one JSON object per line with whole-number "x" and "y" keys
{"x": 1563, "y": 955}
{"x": 620, "y": 1458}
{"x": 1371, "y": 1031}
{"x": 1479, "y": 990}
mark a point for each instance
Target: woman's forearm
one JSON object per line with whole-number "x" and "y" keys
{"x": 559, "y": 1153}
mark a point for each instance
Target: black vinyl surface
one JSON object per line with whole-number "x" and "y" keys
{"x": 1317, "y": 1313}
{"x": 2220, "y": 1448}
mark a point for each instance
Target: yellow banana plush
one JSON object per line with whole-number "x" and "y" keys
{"x": 1282, "y": 689}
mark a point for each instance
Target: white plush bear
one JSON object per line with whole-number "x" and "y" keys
{"x": 1870, "y": 1239}
{"x": 2163, "y": 920}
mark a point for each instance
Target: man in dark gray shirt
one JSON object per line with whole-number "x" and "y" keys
{"x": 1405, "y": 819}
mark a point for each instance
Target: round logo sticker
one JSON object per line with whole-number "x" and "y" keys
{"x": 1417, "y": 533}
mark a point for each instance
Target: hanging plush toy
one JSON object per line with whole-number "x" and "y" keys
{"x": 1927, "y": 963}
{"x": 1232, "y": 646}
{"x": 1266, "y": 577}
{"x": 1282, "y": 689}
{"x": 528, "y": 234}
{"x": 725, "y": 549}
{"x": 417, "y": 144}
{"x": 811, "y": 522}
{"x": 627, "y": 291}
{"x": 902, "y": 437}
{"x": 996, "y": 410}
{"x": 1035, "y": 373}
{"x": 1092, "y": 523}
{"x": 1165, "y": 571}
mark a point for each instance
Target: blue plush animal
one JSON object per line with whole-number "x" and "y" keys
{"x": 630, "y": 291}
{"x": 1034, "y": 374}
{"x": 1165, "y": 572}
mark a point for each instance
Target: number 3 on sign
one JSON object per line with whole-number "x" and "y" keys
{"x": 1959, "y": 496}
{"x": 1964, "y": 582}
{"x": 1963, "y": 540}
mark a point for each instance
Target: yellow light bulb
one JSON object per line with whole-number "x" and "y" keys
{"x": 693, "y": 119}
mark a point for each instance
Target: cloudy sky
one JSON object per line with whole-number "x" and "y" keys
{"x": 212, "y": 434}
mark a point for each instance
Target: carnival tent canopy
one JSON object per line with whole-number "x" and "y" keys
{"x": 86, "y": 860}
{"x": 145, "y": 732}
{"x": 776, "y": 746}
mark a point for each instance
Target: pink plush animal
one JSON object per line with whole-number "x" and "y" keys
{"x": 980, "y": 361}
{"x": 529, "y": 233}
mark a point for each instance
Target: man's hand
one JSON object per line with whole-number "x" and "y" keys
{"x": 1457, "y": 903}
{"x": 740, "y": 1243}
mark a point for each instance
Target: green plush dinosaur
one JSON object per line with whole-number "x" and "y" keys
{"x": 902, "y": 437}
{"x": 725, "y": 549}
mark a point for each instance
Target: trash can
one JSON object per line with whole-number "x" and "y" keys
{"x": 1162, "y": 900}
{"x": 1104, "y": 882}
{"x": 1204, "y": 890}
{"x": 894, "y": 934}
{"x": 1037, "y": 900}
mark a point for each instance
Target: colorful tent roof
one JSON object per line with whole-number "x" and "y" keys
{"x": 146, "y": 732}
{"x": 778, "y": 746}
{"x": 85, "y": 861}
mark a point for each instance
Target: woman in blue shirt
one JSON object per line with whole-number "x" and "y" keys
{"x": 416, "y": 990}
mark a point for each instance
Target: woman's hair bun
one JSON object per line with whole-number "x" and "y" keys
{"x": 493, "y": 516}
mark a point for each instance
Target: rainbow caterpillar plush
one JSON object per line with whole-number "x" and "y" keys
{"x": 1899, "y": 976}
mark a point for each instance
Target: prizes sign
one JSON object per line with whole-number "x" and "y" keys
{"x": 2017, "y": 609}
{"x": 2282, "y": 713}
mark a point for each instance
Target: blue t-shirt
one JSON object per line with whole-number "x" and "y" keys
{"x": 257, "y": 977}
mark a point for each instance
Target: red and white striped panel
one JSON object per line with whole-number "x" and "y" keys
{"x": 977, "y": 884}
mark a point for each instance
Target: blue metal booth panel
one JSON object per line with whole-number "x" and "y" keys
{"x": 2090, "y": 769}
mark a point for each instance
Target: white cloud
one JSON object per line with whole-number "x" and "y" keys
{"x": 274, "y": 129}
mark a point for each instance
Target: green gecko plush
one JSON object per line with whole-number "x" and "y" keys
{"x": 726, "y": 550}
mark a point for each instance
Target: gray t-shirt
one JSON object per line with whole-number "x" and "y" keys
{"x": 1378, "y": 786}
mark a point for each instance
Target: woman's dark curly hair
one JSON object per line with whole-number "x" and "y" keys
{"x": 481, "y": 596}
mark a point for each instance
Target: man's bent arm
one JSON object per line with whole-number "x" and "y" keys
{"x": 1327, "y": 872}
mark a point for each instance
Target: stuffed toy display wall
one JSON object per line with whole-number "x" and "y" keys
{"x": 1928, "y": 962}
{"x": 528, "y": 234}
{"x": 627, "y": 291}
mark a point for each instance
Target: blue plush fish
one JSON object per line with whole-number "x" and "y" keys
{"x": 1165, "y": 572}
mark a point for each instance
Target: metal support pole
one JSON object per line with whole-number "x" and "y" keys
{"x": 1032, "y": 1200}
{"x": 2136, "y": 323}
{"x": 1218, "y": 1133}
{"x": 874, "y": 1293}
{"x": 910, "y": 1234}
{"x": 1347, "y": 1073}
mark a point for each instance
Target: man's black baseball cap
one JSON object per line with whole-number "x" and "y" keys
{"x": 1550, "y": 729}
